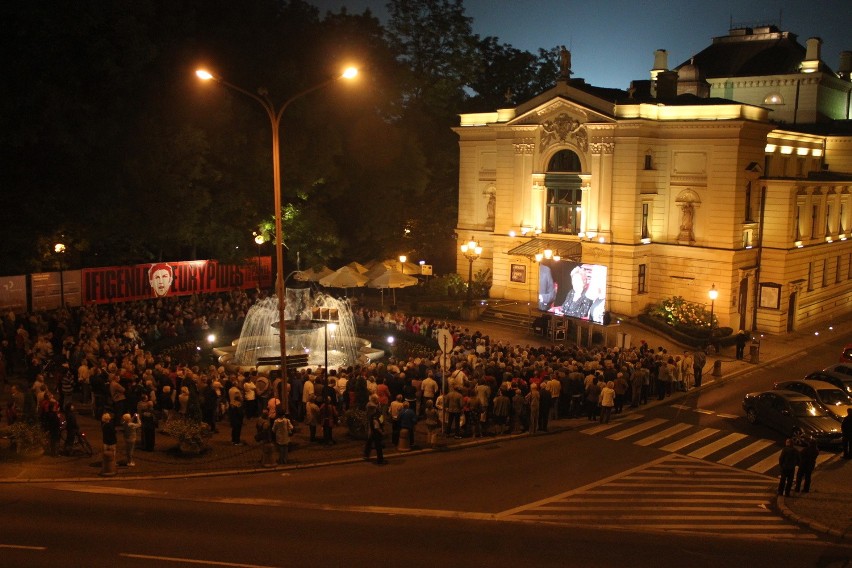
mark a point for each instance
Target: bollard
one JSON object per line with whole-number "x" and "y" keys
{"x": 108, "y": 467}
{"x": 403, "y": 445}
{"x": 717, "y": 368}
{"x": 754, "y": 352}
{"x": 267, "y": 457}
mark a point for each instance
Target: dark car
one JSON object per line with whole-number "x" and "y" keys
{"x": 834, "y": 375}
{"x": 835, "y": 399}
{"x": 846, "y": 354}
{"x": 794, "y": 415}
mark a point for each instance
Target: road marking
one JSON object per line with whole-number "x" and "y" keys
{"x": 765, "y": 464}
{"x": 636, "y": 429}
{"x": 702, "y": 453}
{"x": 749, "y": 450}
{"x": 681, "y": 406}
{"x": 731, "y": 416}
{"x": 604, "y": 427}
{"x": 700, "y": 435}
{"x": 22, "y": 547}
{"x": 671, "y": 494}
{"x": 702, "y": 411}
{"x": 667, "y": 433}
{"x": 193, "y": 561}
{"x": 103, "y": 490}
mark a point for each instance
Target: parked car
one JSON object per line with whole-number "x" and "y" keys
{"x": 836, "y": 400}
{"x": 830, "y": 375}
{"x": 846, "y": 354}
{"x": 794, "y": 415}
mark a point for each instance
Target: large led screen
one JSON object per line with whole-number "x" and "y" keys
{"x": 572, "y": 289}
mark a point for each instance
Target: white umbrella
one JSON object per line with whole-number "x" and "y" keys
{"x": 393, "y": 279}
{"x": 313, "y": 275}
{"x": 344, "y": 278}
{"x": 359, "y": 268}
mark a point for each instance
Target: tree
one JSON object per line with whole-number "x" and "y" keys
{"x": 509, "y": 76}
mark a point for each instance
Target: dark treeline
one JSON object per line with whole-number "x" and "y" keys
{"x": 112, "y": 146}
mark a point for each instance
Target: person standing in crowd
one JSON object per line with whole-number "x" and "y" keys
{"x": 375, "y": 431}
{"x": 72, "y": 428}
{"x": 534, "y": 404}
{"x": 454, "y": 402}
{"x": 741, "y": 339}
{"x": 145, "y": 410}
{"x": 235, "y": 413}
{"x": 129, "y": 428}
{"x": 328, "y": 419}
{"x": 282, "y": 428}
{"x": 408, "y": 421}
{"x": 432, "y": 423}
{"x": 312, "y": 417}
{"x": 807, "y": 464}
{"x": 787, "y": 461}
{"x": 607, "y": 402}
{"x": 108, "y": 432}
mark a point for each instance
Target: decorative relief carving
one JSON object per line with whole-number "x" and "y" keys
{"x": 525, "y": 148}
{"x": 561, "y": 129}
{"x": 602, "y": 147}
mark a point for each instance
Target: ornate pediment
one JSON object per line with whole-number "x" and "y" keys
{"x": 562, "y": 128}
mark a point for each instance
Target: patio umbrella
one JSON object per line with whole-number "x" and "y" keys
{"x": 344, "y": 278}
{"x": 393, "y": 279}
{"x": 358, "y": 267}
{"x": 312, "y": 274}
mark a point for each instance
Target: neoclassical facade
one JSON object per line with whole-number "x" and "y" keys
{"x": 674, "y": 188}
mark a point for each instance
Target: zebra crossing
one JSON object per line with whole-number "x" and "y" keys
{"x": 723, "y": 447}
{"x": 675, "y": 493}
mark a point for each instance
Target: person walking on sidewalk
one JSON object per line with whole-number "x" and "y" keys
{"x": 807, "y": 464}
{"x": 846, "y": 428}
{"x": 787, "y": 461}
{"x": 699, "y": 359}
{"x": 375, "y": 431}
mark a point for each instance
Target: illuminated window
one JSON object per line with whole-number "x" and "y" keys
{"x": 564, "y": 193}
{"x": 646, "y": 214}
{"x": 773, "y": 99}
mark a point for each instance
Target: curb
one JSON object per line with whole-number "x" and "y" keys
{"x": 806, "y": 521}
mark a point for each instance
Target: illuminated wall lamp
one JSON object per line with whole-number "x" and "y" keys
{"x": 816, "y": 152}
{"x": 512, "y": 233}
{"x": 538, "y": 257}
{"x": 548, "y": 254}
{"x": 786, "y": 150}
{"x": 828, "y": 239}
{"x": 645, "y": 241}
{"x": 771, "y": 148}
{"x": 798, "y": 244}
{"x": 803, "y": 151}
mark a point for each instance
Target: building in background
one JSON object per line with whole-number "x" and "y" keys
{"x": 733, "y": 170}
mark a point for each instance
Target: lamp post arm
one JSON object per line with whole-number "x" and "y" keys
{"x": 302, "y": 93}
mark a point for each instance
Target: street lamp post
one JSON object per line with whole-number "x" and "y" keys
{"x": 274, "y": 116}
{"x": 713, "y": 294}
{"x": 258, "y": 240}
{"x": 59, "y": 249}
{"x": 471, "y": 251}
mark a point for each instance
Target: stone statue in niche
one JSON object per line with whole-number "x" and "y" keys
{"x": 490, "y": 208}
{"x": 686, "y": 223}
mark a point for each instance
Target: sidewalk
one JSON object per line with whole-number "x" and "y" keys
{"x": 826, "y": 509}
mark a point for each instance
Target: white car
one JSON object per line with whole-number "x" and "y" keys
{"x": 836, "y": 400}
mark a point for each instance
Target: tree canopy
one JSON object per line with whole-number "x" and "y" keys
{"x": 113, "y": 145}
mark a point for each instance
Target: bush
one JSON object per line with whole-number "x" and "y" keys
{"x": 27, "y": 437}
{"x": 356, "y": 422}
{"x": 687, "y": 322}
{"x": 190, "y": 434}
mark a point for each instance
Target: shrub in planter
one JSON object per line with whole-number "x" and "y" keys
{"x": 190, "y": 434}
{"x": 28, "y": 437}
{"x": 356, "y": 423}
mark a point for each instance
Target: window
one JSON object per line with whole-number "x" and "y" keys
{"x": 649, "y": 162}
{"x": 827, "y": 219}
{"x": 824, "y": 272}
{"x": 641, "y": 289}
{"x": 646, "y": 213}
{"x": 814, "y": 223}
{"x": 810, "y": 276}
{"x": 798, "y": 235}
{"x": 564, "y": 193}
{"x": 748, "y": 218}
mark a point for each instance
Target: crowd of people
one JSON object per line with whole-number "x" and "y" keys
{"x": 103, "y": 356}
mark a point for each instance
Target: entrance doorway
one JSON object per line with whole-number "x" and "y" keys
{"x": 742, "y": 302}
{"x": 791, "y": 312}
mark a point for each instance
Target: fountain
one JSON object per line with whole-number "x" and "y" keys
{"x": 325, "y": 340}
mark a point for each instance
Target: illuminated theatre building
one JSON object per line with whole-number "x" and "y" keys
{"x": 733, "y": 170}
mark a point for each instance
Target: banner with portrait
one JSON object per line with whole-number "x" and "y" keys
{"x": 182, "y": 278}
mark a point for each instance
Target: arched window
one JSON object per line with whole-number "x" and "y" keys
{"x": 564, "y": 161}
{"x": 564, "y": 196}
{"x": 773, "y": 99}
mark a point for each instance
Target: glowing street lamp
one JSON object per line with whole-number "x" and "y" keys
{"x": 59, "y": 249}
{"x": 274, "y": 114}
{"x": 471, "y": 251}
{"x": 713, "y": 294}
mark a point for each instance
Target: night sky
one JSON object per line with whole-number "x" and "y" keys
{"x": 612, "y": 41}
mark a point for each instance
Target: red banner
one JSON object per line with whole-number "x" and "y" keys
{"x": 145, "y": 281}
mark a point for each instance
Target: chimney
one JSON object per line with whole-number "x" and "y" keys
{"x": 661, "y": 63}
{"x": 813, "y": 48}
{"x": 845, "y": 68}
{"x": 667, "y": 85}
